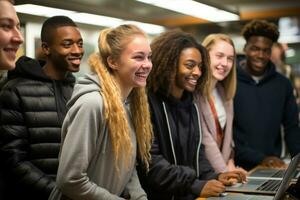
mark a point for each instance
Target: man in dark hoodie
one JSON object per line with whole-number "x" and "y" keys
{"x": 264, "y": 103}
{"x": 33, "y": 109}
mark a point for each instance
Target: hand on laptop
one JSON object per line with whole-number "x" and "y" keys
{"x": 212, "y": 188}
{"x": 273, "y": 162}
{"x": 233, "y": 177}
{"x": 232, "y": 167}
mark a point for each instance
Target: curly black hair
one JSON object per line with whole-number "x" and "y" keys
{"x": 166, "y": 50}
{"x": 261, "y": 28}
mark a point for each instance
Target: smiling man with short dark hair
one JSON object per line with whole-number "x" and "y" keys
{"x": 33, "y": 105}
{"x": 264, "y": 103}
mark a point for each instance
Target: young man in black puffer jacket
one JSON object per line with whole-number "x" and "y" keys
{"x": 33, "y": 105}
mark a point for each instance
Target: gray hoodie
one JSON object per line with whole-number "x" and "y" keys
{"x": 86, "y": 169}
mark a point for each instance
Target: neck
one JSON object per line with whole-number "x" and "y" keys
{"x": 124, "y": 89}
{"x": 53, "y": 73}
{"x": 213, "y": 83}
{"x": 177, "y": 93}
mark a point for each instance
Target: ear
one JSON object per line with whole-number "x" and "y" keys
{"x": 112, "y": 63}
{"x": 45, "y": 48}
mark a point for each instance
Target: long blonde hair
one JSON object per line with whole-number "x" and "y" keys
{"x": 229, "y": 82}
{"x": 111, "y": 43}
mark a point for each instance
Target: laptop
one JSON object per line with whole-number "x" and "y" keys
{"x": 271, "y": 173}
{"x": 257, "y": 186}
{"x": 266, "y": 185}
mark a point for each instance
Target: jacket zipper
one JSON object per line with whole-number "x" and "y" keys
{"x": 171, "y": 140}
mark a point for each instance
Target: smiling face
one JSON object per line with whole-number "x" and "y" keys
{"x": 258, "y": 52}
{"x": 65, "y": 50}
{"x": 134, "y": 64}
{"x": 188, "y": 72}
{"x": 221, "y": 55}
{"x": 10, "y": 36}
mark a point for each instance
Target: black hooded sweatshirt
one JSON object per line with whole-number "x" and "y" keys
{"x": 179, "y": 168}
{"x": 260, "y": 110}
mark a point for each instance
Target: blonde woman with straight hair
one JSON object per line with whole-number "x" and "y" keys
{"x": 108, "y": 125}
{"x": 217, "y": 107}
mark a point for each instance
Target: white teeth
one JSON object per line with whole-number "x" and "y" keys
{"x": 76, "y": 61}
{"x": 192, "y": 81}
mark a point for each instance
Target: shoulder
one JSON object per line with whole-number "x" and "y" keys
{"x": 19, "y": 87}
{"x": 17, "y": 82}
{"x": 282, "y": 80}
{"x": 89, "y": 101}
{"x": 88, "y": 106}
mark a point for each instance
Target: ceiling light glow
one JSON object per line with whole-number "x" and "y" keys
{"x": 85, "y": 18}
{"x": 195, "y": 9}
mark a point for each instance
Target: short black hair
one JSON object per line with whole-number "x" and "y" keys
{"x": 53, "y": 23}
{"x": 260, "y": 28}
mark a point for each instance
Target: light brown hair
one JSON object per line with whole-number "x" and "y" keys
{"x": 229, "y": 82}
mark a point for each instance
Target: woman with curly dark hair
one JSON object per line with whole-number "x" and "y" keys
{"x": 179, "y": 168}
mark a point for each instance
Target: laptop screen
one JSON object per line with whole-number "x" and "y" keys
{"x": 287, "y": 177}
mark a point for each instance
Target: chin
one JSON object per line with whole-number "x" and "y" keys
{"x": 74, "y": 69}
{"x": 220, "y": 78}
{"x": 8, "y": 66}
{"x": 141, "y": 84}
{"x": 190, "y": 89}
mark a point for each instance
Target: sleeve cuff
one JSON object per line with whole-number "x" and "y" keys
{"x": 197, "y": 186}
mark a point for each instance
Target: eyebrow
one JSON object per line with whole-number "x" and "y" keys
{"x": 141, "y": 52}
{"x": 9, "y": 19}
{"x": 71, "y": 40}
{"x": 191, "y": 60}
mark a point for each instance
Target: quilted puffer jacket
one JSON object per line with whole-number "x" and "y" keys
{"x": 33, "y": 108}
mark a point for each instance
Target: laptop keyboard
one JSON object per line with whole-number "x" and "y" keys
{"x": 279, "y": 174}
{"x": 269, "y": 185}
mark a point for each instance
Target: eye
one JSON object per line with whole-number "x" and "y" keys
{"x": 80, "y": 44}
{"x": 67, "y": 44}
{"x": 230, "y": 59}
{"x": 138, "y": 57}
{"x": 219, "y": 55}
{"x": 254, "y": 48}
{"x": 267, "y": 51}
{"x": 6, "y": 26}
{"x": 190, "y": 65}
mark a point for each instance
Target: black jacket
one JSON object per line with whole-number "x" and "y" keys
{"x": 33, "y": 110}
{"x": 259, "y": 111}
{"x": 179, "y": 167}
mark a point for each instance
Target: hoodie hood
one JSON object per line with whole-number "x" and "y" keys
{"x": 86, "y": 84}
{"x": 246, "y": 77}
{"x": 33, "y": 69}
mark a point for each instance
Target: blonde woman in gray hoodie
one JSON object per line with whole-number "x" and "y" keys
{"x": 108, "y": 124}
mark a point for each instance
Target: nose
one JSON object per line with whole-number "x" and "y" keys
{"x": 197, "y": 71}
{"x": 17, "y": 36}
{"x": 224, "y": 61}
{"x": 147, "y": 64}
{"x": 77, "y": 49}
{"x": 261, "y": 54}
